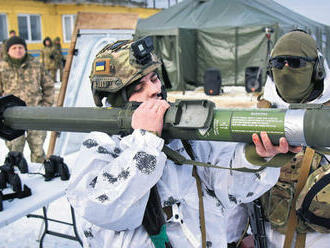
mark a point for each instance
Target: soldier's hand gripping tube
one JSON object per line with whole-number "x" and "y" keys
{"x": 301, "y": 124}
{"x": 199, "y": 120}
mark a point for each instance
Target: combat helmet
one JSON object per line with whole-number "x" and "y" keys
{"x": 118, "y": 67}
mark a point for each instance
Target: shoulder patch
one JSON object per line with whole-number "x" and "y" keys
{"x": 100, "y": 66}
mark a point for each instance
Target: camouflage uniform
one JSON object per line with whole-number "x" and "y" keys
{"x": 32, "y": 84}
{"x": 59, "y": 58}
{"x": 47, "y": 58}
{"x": 120, "y": 191}
{"x": 3, "y": 53}
{"x": 297, "y": 83}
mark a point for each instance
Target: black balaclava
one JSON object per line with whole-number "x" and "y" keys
{"x": 295, "y": 84}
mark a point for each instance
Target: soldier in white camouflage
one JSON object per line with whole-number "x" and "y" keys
{"x": 48, "y": 56}
{"x": 124, "y": 187}
{"x": 24, "y": 77}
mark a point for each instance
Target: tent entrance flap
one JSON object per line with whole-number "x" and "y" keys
{"x": 232, "y": 50}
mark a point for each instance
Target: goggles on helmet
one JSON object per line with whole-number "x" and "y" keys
{"x": 278, "y": 62}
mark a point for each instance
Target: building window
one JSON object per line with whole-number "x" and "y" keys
{"x": 3, "y": 27}
{"x": 68, "y": 22}
{"x": 29, "y": 27}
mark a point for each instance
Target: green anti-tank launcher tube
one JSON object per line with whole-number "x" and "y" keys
{"x": 300, "y": 124}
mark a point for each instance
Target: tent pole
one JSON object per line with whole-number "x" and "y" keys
{"x": 236, "y": 51}
{"x": 327, "y": 44}
{"x": 178, "y": 64}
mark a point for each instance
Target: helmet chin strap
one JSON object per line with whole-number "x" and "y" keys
{"x": 124, "y": 95}
{"x": 163, "y": 92}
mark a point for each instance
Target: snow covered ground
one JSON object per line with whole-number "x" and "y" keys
{"x": 232, "y": 97}
{"x": 24, "y": 233}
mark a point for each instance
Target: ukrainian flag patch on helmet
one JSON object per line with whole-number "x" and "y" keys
{"x": 100, "y": 66}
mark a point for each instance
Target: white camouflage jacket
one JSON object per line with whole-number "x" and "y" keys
{"x": 112, "y": 176}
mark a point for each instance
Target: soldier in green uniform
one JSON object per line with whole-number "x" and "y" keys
{"x": 3, "y": 53}
{"x": 59, "y": 58}
{"x": 298, "y": 73}
{"x": 47, "y": 57}
{"x": 24, "y": 77}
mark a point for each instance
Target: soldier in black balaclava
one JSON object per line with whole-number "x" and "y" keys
{"x": 297, "y": 74}
{"x": 292, "y": 66}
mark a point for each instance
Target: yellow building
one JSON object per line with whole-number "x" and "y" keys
{"x": 35, "y": 20}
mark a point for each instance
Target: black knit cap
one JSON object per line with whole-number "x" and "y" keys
{"x": 15, "y": 40}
